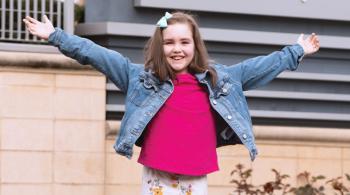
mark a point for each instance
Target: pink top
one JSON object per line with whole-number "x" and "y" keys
{"x": 181, "y": 138}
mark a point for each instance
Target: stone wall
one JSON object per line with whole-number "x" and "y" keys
{"x": 52, "y": 129}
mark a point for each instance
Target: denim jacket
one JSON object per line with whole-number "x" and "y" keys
{"x": 145, "y": 95}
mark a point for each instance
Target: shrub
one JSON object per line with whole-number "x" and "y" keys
{"x": 308, "y": 184}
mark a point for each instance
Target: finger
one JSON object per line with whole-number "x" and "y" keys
{"x": 30, "y": 30}
{"x": 46, "y": 19}
{"x": 29, "y": 25}
{"x": 316, "y": 43}
{"x": 309, "y": 38}
{"x": 301, "y": 37}
{"x": 317, "y": 40}
{"x": 32, "y": 20}
{"x": 25, "y": 21}
{"x": 313, "y": 37}
{"x": 317, "y": 48}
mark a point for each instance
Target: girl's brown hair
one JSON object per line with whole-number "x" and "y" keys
{"x": 155, "y": 59}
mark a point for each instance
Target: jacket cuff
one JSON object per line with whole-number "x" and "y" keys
{"x": 300, "y": 51}
{"x": 54, "y": 38}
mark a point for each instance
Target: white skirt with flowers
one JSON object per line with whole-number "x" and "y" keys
{"x": 155, "y": 182}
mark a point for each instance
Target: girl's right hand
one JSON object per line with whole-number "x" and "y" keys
{"x": 40, "y": 29}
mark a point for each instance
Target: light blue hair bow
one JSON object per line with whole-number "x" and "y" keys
{"x": 162, "y": 23}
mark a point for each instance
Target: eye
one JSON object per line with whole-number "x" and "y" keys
{"x": 167, "y": 42}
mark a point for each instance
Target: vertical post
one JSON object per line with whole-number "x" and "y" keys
{"x": 3, "y": 18}
{"x": 11, "y": 20}
{"x": 43, "y": 9}
{"x": 27, "y": 14}
{"x": 19, "y": 19}
{"x": 51, "y": 10}
{"x": 35, "y": 14}
{"x": 69, "y": 16}
{"x": 58, "y": 11}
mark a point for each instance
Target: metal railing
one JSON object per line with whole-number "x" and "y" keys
{"x": 12, "y": 29}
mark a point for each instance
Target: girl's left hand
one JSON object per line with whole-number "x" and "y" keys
{"x": 310, "y": 45}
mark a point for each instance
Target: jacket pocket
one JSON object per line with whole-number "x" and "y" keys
{"x": 141, "y": 95}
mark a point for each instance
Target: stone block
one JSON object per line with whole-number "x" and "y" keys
{"x": 221, "y": 190}
{"x": 227, "y": 165}
{"x": 80, "y": 104}
{"x": 330, "y": 168}
{"x": 277, "y": 150}
{"x": 27, "y": 79}
{"x": 26, "y": 102}
{"x": 128, "y": 189}
{"x": 27, "y": 189}
{"x": 262, "y": 169}
{"x": 346, "y": 153}
{"x": 346, "y": 170}
{"x": 320, "y": 152}
{"x": 66, "y": 189}
{"x": 26, "y": 134}
{"x": 121, "y": 170}
{"x": 79, "y": 168}
{"x": 79, "y": 136}
{"x": 233, "y": 150}
{"x": 81, "y": 81}
{"x": 109, "y": 146}
{"x": 26, "y": 167}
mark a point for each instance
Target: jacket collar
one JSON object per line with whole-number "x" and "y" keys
{"x": 147, "y": 75}
{"x": 201, "y": 76}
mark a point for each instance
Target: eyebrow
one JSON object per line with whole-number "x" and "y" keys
{"x": 183, "y": 39}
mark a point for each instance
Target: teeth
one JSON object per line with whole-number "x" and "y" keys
{"x": 177, "y": 58}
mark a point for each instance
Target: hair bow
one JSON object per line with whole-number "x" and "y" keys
{"x": 162, "y": 23}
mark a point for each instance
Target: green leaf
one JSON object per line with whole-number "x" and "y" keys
{"x": 321, "y": 188}
{"x": 234, "y": 181}
{"x": 319, "y": 177}
{"x": 347, "y": 176}
{"x": 239, "y": 166}
{"x": 247, "y": 173}
{"x": 285, "y": 176}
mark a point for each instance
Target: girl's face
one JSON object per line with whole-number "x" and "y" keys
{"x": 178, "y": 46}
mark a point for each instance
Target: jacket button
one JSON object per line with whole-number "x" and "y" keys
{"x": 215, "y": 102}
{"x": 224, "y": 90}
{"x": 244, "y": 136}
{"x": 148, "y": 113}
{"x": 229, "y": 117}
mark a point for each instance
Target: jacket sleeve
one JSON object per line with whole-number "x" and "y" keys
{"x": 259, "y": 71}
{"x": 111, "y": 63}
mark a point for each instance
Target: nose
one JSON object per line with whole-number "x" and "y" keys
{"x": 177, "y": 48}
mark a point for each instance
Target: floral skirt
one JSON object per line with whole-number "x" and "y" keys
{"x": 155, "y": 182}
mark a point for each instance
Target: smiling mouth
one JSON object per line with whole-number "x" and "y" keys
{"x": 177, "y": 57}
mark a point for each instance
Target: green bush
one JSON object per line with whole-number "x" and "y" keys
{"x": 241, "y": 177}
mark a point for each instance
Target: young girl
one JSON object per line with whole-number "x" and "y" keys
{"x": 179, "y": 107}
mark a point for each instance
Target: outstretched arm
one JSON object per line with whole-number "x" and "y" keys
{"x": 111, "y": 63}
{"x": 259, "y": 71}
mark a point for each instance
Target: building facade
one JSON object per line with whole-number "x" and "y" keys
{"x": 59, "y": 120}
